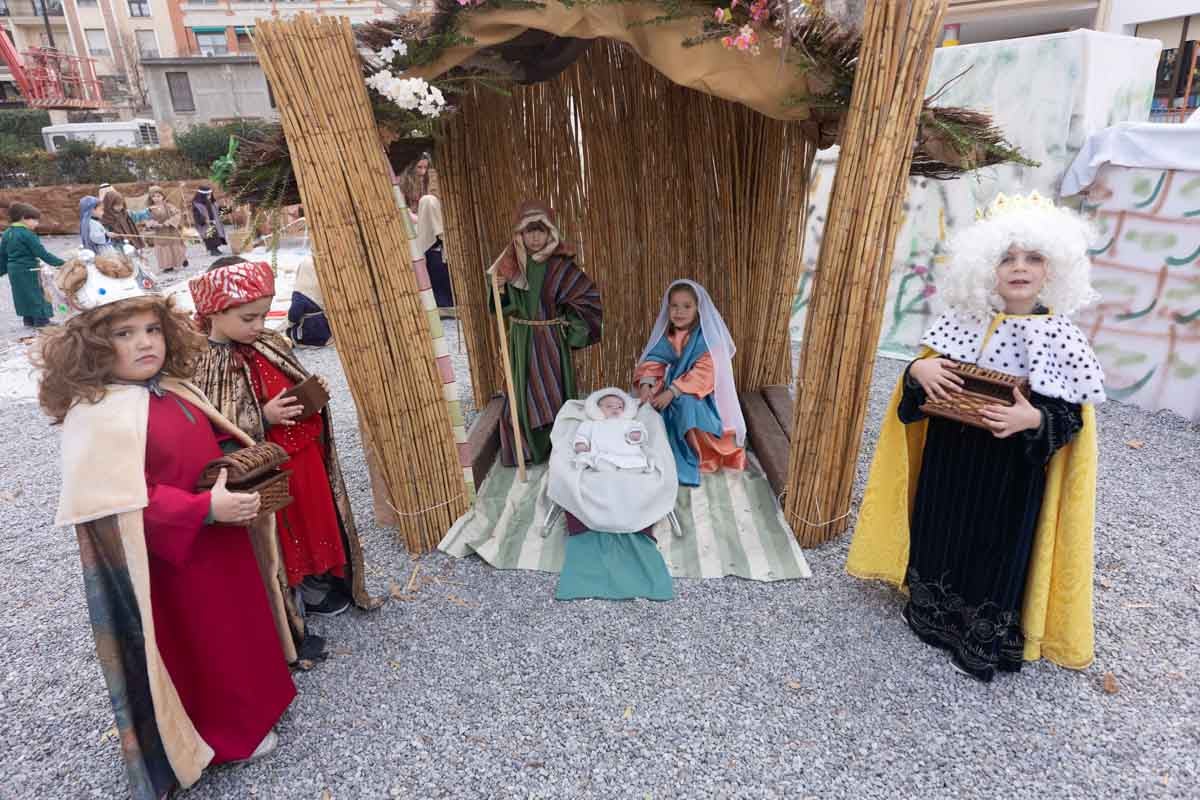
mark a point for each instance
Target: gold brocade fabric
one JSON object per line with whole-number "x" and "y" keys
{"x": 1056, "y": 610}
{"x": 224, "y": 376}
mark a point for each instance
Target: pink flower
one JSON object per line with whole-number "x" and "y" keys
{"x": 929, "y": 291}
{"x": 920, "y": 269}
{"x": 718, "y": 13}
{"x": 727, "y": 41}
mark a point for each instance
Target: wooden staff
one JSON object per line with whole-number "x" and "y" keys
{"x": 508, "y": 377}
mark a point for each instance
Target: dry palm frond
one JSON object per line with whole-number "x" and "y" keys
{"x": 951, "y": 141}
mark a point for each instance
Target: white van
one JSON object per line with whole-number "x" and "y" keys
{"x": 127, "y": 133}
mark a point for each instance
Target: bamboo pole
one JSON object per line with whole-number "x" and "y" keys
{"x": 653, "y": 182}
{"x": 364, "y": 267}
{"x": 850, "y": 287}
{"x": 509, "y": 384}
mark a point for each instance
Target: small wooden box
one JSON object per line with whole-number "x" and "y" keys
{"x": 311, "y": 394}
{"x": 253, "y": 469}
{"x": 981, "y": 387}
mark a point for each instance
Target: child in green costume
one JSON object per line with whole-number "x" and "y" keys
{"x": 20, "y": 250}
{"x": 552, "y": 308}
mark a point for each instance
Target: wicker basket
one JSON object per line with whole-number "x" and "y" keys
{"x": 253, "y": 469}
{"x": 981, "y": 387}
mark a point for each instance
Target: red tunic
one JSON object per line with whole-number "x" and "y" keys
{"x": 211, "y": 613}
{"x": 309, "y": 533}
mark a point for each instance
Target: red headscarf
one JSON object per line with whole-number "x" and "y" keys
{"x": 234, "y": 285}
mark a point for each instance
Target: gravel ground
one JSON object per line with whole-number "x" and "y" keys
{"x": 483, "y": 686}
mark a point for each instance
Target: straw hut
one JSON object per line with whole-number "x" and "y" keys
{"x": 673, "y": 140}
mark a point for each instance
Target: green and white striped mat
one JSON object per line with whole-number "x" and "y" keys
{"x": 731, "y": 525}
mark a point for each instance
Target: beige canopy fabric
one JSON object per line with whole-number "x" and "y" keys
{"x": 762, "y": 82}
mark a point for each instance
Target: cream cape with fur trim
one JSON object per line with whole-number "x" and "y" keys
{"x": 103, "y": 468}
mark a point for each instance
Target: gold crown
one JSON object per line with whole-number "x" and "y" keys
{"x": 1007, "y": 204}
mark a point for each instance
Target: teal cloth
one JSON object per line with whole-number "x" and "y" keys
{"x": 20, "y": 251}
{"x": 613, "y": 566}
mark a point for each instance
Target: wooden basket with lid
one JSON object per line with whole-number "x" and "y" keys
{"x": 253, "y": 469}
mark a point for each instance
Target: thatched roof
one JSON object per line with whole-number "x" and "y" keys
{"x": 804, "y": 74}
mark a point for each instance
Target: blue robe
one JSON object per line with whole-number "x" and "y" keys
{"x": 306, "y": 322}
{"x": 687, "y": 411}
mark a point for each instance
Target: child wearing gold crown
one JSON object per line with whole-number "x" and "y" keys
{"x": 990, "y": 528}
{"x": 193, "y": 645}
{"x": 246, "y": 370}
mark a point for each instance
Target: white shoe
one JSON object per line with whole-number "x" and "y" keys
{"x": 265, "y": 748}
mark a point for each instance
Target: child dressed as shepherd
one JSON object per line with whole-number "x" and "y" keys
{"x": 20, "y": 251}
{"x": 191, "y": 640}
{"x": 120, "y": 223}
{"x": 246, "y": 370}
{"x": 686, "y": 372}
{"x": 166, "y": 221}
{"x": 552, "y": 307}
{"x": 207, "y": 217}
{"x": 991, "y": 529}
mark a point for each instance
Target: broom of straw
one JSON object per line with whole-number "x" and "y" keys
{"x": 508, "y": 377}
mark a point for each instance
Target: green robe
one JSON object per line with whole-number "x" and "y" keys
{"x": 559, "y": 384}
{"x": 20, "y": 249}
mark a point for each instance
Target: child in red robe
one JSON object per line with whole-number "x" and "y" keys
{"x": 246, "y": 371}
{"x": 192, "y": 642}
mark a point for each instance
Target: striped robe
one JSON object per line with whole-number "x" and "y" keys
{"x": 543, "y": 374}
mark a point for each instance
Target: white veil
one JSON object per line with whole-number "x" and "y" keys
{"x": 722, "y": 348}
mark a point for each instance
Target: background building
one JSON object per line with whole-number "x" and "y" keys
{"x": 214, "y": 75}
{"x": 191, "y": 61}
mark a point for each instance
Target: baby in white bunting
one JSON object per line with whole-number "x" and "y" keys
{"x": 611, "y": 439}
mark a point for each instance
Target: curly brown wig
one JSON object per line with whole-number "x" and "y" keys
{"x": 76, "y": 358}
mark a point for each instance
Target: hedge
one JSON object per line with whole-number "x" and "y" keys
{"x": 81, "y": 162}
{"x": 21, "y": 128}
{"x": 204, "y": 144}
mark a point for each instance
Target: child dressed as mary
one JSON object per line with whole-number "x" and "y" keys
{"x": 686, "y": 372}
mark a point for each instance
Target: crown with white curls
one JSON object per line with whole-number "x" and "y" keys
{"x": 110, "y": 279}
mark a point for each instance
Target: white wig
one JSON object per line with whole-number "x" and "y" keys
{"x": 1061, "y": 236}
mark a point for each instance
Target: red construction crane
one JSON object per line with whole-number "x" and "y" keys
{"x": 52, "y": 80}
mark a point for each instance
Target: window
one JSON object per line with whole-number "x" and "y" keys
{"x": 3, "y": 8}
{"x": 212, "y": 44}
{"x": 139, "y": 8}
{"x": 147, "y": 44}
{"x": 244, "y": 43}
{"x": 148, "y": 135}
{"x": 91, "y": 3}
{"x": 53, "y": 7}
{"x": 181, "y": 92}
{"x": 97, "y": 42}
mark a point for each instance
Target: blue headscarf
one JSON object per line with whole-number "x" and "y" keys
{"x": 86, "y": 205}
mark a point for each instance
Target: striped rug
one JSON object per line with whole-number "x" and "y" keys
{"x": 731, "y": 526}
